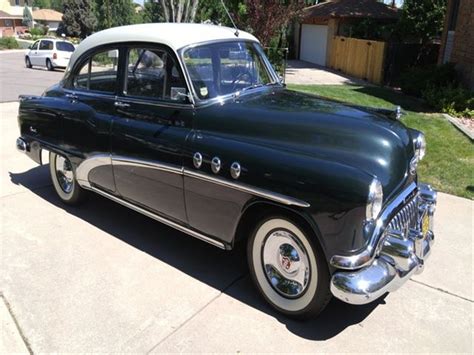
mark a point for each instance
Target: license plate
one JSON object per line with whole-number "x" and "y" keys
{"x": 425, "y": 224}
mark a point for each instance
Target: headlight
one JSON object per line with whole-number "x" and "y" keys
{"x": 374, "y": 200}
{"x": 420, "y": 146}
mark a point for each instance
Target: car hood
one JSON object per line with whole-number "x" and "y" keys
{"x": 318, "y": 127}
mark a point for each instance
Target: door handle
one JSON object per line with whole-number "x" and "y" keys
{"x": 121, "y": 104}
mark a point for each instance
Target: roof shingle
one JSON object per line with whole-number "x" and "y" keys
{"x": 351, "y": 8}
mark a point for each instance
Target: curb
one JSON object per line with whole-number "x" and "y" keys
{"x": 459, "y": 126}
{"x": 11, "y": 51}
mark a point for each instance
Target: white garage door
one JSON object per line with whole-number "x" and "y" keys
{"x": 313, "y": 43}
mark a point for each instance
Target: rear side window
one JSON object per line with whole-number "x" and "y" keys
{"x": 99, "y": 73}
{"x": 154, "y": 73}
{"x": 65, "y": 46}
{"x": 46, "y": 46}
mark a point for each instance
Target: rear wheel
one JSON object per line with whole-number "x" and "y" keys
{"x": 28, "y": 62}
{"x": 49, "y": 65}
{"x": 64, "y": 180}
{"x": 288, "y": 268}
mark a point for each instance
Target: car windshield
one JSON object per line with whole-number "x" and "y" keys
{"x": 226, "y": 67}
{"x": 65, "y": 46}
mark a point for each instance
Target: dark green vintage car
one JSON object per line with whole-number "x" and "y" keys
{"x": 190, "y": 125}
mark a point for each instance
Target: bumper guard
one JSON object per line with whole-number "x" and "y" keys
{"x": 401, "y": 253}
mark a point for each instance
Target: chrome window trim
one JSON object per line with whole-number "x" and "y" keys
{"x": 158, "y": 218}
{"x": 154, "y": 102}
{"x": 90, "y": 93}
{"x": 220, "y": 99}
{"x": 366, "y": 256}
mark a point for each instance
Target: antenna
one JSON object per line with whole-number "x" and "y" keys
{"x": 236, "y": 33}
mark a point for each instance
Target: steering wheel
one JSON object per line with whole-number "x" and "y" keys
{"x": 240, "y": 76}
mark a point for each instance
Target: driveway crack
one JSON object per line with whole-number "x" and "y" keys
{"x": 239, "y": 278}
{"x": 441, "y": 290}
{"x": 23, "y": 337}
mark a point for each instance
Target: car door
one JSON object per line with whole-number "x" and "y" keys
{"x": 152, "y": 122}
{"x": 45, "y": 51}
{"x": 90, "y": 93}
{"x": 33, "y": 53}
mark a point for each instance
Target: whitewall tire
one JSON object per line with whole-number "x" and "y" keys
{"x": 288, "y": 267}
{"x": 64, "y": 180}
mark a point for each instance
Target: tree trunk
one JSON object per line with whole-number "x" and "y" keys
{"x": 166, "y": 11}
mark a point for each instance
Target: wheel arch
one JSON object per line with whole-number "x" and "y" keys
{"x": 256, "y": 210}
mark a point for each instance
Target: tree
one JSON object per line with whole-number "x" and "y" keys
{"x": 268, "y": 18}
{"x": 422, "y": 19}
{"x": 113, "y": 13}
{"x": 27, "y": 17}
{"x": 152, "y": 12}
{"x": 57, "y": 5}
{"x": 42, "y": 4}
{"x": 78, "y": 17}
{"x": 179, "y": 10}
{"x": 213, "y": 11}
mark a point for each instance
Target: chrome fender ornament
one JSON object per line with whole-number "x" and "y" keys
{"x": 197, "y": 160}
{"x": 235, "y": 170}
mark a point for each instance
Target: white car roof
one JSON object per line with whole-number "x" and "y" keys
{"x": 174, "y": 35}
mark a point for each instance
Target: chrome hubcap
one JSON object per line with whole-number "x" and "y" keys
{"x": 64, "y": 174}
{"x": 286, "y": 263}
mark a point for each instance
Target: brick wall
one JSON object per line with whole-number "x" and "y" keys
{"x": 461, "y": 50}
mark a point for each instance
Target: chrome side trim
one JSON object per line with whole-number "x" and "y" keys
{"x": 119, "y": 160}
{"x": 82, "y": 171}
{"x": 366, "y": 256}
{"x": 286, "y": 200}
{"x": 160, "y": 219}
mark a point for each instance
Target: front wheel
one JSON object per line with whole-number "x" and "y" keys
{"x": 288, "y": 268}
{"x": 64, "y": 181}
{"x": 49, "y": 65}
{"x": 28, "y": 62}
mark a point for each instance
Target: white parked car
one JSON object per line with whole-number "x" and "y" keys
{"x": 50, "y": 53}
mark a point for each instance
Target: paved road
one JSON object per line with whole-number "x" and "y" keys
{"x": 16, "y": 79}
{"x": 102, "y": 278}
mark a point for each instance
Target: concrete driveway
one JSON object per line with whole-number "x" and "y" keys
{"x": 102, "y": 278}
{"x": 16, "y": 79}
{"x": 301, "y": 72}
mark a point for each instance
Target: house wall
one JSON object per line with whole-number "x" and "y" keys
{"x": 458, "y": 39}
{"x": 12, "y": 7}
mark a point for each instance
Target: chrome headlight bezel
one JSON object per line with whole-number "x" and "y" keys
{"x": 374, "y": 200}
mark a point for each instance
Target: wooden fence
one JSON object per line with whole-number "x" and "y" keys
{"x": 360, "y": 58}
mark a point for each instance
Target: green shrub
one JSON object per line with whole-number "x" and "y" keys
{"x": 454, "y": 100}
{"x": 37, "y": 31}
{"x": 416, "y": 80}
{"x": 8, "y": 43}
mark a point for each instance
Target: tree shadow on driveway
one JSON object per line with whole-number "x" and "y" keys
{"x": 223, "y": 270}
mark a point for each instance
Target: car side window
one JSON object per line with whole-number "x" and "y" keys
{"x": 99, "y": 72}
{"x": 46, "y": 45}
{"x": 34, "y": 46}
{"x": 154, "y": 73}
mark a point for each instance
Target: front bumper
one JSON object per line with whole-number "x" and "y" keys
{"x": 401, "y": 252}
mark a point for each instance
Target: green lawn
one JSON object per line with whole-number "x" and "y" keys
{"x": 449, "y": 161}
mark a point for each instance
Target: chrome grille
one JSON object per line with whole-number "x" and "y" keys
{"x": 406, "y": 218}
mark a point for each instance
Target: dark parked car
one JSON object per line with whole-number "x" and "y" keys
{"x": 190, "y": 125}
